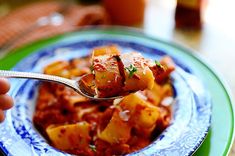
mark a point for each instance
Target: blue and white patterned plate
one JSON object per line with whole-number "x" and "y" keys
{"x": 191, "y": 110}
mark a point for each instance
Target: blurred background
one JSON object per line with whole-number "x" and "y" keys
{"x": 206, "y": 26}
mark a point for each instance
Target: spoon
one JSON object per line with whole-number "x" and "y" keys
{"x": 79, "y": 85}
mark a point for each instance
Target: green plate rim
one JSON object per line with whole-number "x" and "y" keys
{"x": 16, "y": 55}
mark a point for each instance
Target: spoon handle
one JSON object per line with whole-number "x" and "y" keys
{"x": 38, "y": 76}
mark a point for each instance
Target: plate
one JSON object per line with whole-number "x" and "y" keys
{"x": 196, "y": 85}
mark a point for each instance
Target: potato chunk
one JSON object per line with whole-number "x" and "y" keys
{"x": 117, "y": 130}
{"x": 142, "y": 113}
{"x": 108, "y": 80}
{"x": 158, "y": 93}
{"x": 131, "y": 112}
{"x": 58, "y": 68}
{"x": 137, "y": 74}
{"x": 105, "y": 50}
{"x": 117, "y": 74}
{"x": 73, "y": 136}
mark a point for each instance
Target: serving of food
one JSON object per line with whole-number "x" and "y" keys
{"x": 162, "y": 107}
{"x": 77, "y": 125}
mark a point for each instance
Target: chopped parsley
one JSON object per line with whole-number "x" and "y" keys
{"x": 131, "y": 69}
{"x": 103, "y": 76}
{"x": 92, "y": 147}
{"x": 158, "y": 64}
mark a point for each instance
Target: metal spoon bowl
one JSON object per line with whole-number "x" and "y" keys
{"x": 76, "y": 85}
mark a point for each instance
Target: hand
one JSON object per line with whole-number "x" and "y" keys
{"x": 6, "y": 102}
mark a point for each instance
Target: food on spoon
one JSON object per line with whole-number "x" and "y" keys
{"x": 119, "y": 74}
{"x": 108, "y": 79}
{"x": 70, "y": 136}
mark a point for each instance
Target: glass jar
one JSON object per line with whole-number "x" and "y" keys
{"x": 189, "y": 13}
{"x": 125, "y": 12}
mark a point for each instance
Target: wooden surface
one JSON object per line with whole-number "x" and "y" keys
{"x": 24, "y": 18}
{"x": 215, "y": 42}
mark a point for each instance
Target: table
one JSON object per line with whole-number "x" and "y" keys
{"x": 215, "y": 42}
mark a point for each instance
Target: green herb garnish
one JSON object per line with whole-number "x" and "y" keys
{"x": 158, "y": 64}
{"x": 92, "y": 147}
{"x": 103, "y": 76}
{"x": 131, "y": 69}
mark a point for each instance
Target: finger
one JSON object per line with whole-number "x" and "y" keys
{"x": 4, "y": 86}
{"x": 2, "y": 117}
{"x": 6, "y": 102}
